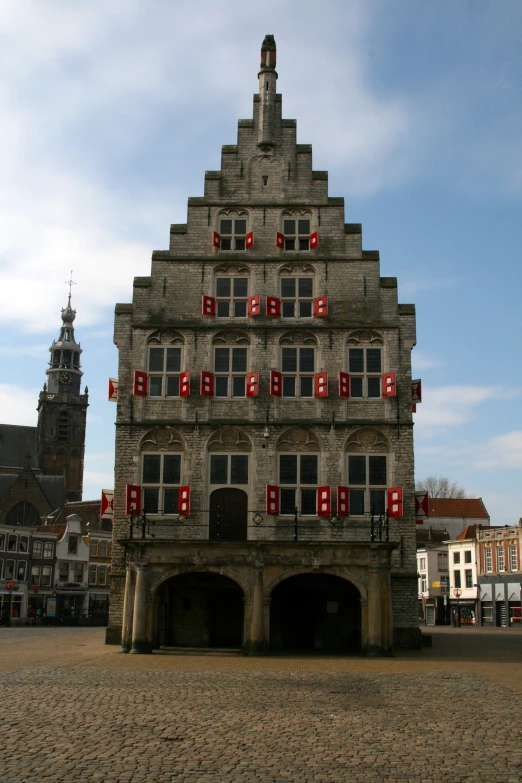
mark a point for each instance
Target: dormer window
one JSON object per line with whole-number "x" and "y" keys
{"x": 233, "y": 234}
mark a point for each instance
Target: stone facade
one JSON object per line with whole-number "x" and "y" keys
{"x": 343, "y": 319}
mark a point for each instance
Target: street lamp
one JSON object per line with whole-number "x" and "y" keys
{"x": 457, "y": 592}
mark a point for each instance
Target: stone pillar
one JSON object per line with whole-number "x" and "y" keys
{"x": 140, "y": 641}
{"x": 375, "y": 642}
{"x": 258, "y": 642}
{"x": 128, "y": 605}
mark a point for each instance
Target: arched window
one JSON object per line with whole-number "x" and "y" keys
{"x": 233, "y": 227}
{"x": 231, "y": 289}
{"x": 230, "y": 349}
{"x": 298, "y": 362}
{"x": 367, "y": 466}
{"x": 298, "y": 467}
{"x": 165, "y": 363}
{"x": 297, "y": 290}
{"x": 296, "y": 226}
{"x": 229, "y": 450}
{"x": 365, "y": 364}
{"x": 23, "y": 514}
{"x": 161, "y": 471}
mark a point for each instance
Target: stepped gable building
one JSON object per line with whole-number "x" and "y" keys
{"x": 264, "y": 413}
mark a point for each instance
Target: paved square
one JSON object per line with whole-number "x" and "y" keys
{"x": 81, "y": 712}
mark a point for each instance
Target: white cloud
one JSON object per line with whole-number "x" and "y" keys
{"x": 422, "y": 361}
{"x": 452, "y": 405}
{"x": 18, "y": 405}
{"x": 500, "y": 452}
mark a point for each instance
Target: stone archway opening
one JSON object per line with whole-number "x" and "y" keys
{"x": 200, "y": 609}
{"x": 315, "y": 613}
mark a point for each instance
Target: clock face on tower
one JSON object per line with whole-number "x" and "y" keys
{"x": 65, "y": 377}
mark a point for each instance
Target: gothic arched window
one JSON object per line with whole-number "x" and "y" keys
{"x": 23, "y": 514}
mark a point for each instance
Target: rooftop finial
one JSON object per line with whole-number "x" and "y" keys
{"x": 268, "y": 52}
{"x": 70, "y": 283}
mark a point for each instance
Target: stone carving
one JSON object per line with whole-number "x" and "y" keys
{"x": 231, "y": 269}
{"x": 299, "y": 268}
{"x": 298, "y": 337}
{"x": 231, "y": 336}
{"x": 167, "y": 337}
{"x": 365, "y": 440}
{"x": 298, "y": 212}
{"x": 298, "y": 439}
{"x": 162, "y": 439}
{"x": 229, "y": 439}
{"x": 364, "y": 336}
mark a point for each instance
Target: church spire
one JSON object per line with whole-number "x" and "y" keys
{"x": 64, "y": 374}
{"x": 267, "y": 94}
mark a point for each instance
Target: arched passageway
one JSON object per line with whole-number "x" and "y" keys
{"x": 317, "y": 612}
{"x": 199, "y": 610}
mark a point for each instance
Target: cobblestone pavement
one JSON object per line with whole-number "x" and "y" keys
{"x": 76, "y": 711}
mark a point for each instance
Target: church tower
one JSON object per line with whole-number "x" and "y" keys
{"x": 62, "y": 411}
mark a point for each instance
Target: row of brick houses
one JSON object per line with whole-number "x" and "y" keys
{"x": 474, "y": 578}
{"x": 58, "y": 571}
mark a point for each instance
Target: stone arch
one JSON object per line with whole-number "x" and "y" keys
{"x": 227, "y": 571}
{"x": 162, "y": 439}
{"x": 332, "y": 570}
{"x": 232, "y": 268}
{"x": 298, "y": 439}
{"x": 296, "y": 213}
{"x": 366, "y": 440}
{"x": 165, "y": 337}
{"x": 232, "y": 213}
{"x": 297, "y": 268}
{"x": 229, "y": 439}
{"x": 298, "y": 337}
{"x": 264, "y": 164}
{"x": 231, "y": 337}
{"x": 364, "y": 337}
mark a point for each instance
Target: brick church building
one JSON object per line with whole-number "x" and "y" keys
{"x": 264, "y": 484}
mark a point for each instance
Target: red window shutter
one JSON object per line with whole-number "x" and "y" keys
{"x": 273, "y": 306}
{"x": 395, "y": 502}
{"x": 321, "y": 384}
{"x": 254, "y": 306}
{"x": 344, "y": 384}
{"x": 321, "y": 306}
{"x": 249, "y": 240}
{"x": 276, "y": 383}
{"x": 113, "y": 390}
{"x": 388, "y": 385}
{"x": 184, "y": 501}
{"x": 314, "y": 240}
{"x": 216, "y": 239}
{"x": 184, "y": 384}
{"x": 414, "y": 408}
{"x": 207, "y": 384}
{"x": 140, "y": 383}
{"x": 133, "y": 499}
{"x": 272, "y": 500}
{"x": 280, "y": 240}
{"x": 342, "y": 502}
{"x": 252, "y": 384}
{"x": 416, "y": 391}
{"x": 208, "y": 305}
{"x": 324, "y": 504}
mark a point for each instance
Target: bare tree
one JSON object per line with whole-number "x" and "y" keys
{"x": 440, "y": 487}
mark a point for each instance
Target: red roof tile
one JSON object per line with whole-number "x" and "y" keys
{"x": 468, "y": 532}
{"x": 459, "y": 508}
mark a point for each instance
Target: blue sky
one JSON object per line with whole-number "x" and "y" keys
{"x": 113, "y": 109}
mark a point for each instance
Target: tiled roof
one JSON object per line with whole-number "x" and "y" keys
{"x": 468, "y": 532}
{"x": 16, "y": 442}
{"x": 459, "y": 508}
{"x": 57, "y": 529}
{"x": 88, "y": 511}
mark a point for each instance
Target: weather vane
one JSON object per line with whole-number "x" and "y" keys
{"x": 70, "y": 283}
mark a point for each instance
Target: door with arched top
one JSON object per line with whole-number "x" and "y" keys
{"x": 228, "y": 515}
